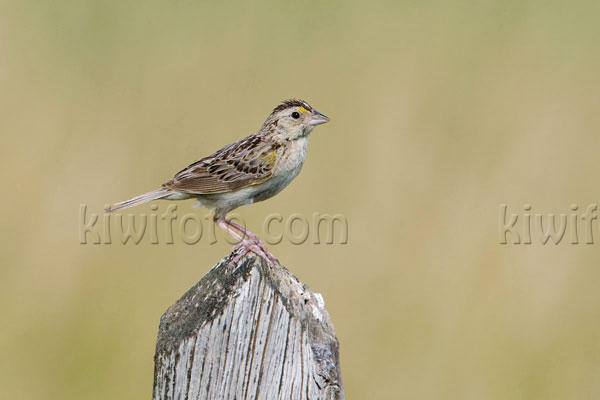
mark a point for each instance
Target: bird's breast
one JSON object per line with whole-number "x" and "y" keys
{"x": 292, "y": 158}
{"x": 288, "y": 166}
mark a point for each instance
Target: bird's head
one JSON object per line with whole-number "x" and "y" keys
{"x": 294, "y": 119}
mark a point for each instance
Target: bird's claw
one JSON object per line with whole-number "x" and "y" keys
{"x": 250, "y": 246}
{"x": 262, "y": 246}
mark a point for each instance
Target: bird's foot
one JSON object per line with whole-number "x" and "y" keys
{"x": 249, "y": 246}
{"x": 256, "y": 240}
{"x": 270, "y": 256}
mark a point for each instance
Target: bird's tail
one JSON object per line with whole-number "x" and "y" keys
{"x": 141, "y": 199}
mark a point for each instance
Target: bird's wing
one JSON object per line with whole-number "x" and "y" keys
{"x": 249, "y": 161}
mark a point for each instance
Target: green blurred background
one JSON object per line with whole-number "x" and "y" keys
{"x": 440, "y": 112}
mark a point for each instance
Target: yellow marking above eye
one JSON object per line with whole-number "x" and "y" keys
{"x": 303, "y": 110}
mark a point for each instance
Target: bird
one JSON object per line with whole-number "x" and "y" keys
{"x": 247, "y": 171}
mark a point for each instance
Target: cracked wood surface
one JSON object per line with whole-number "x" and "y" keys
{"x": 247, "y": 332}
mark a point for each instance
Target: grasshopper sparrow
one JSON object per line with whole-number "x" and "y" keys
{"x": 252, "y": 169}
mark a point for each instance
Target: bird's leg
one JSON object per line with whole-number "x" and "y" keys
{"x": 254, "y": 238}
{"x": 244, "y": 243}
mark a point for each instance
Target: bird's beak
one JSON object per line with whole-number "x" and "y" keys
{"x": 317, "y": 118}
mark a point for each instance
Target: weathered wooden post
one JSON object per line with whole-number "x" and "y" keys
{"x": 247, "y": 331}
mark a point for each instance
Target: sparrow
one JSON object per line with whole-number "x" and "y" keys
{"x": 250, "y": 170}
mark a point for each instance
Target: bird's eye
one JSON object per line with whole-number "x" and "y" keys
{"x": 295, "y": 115}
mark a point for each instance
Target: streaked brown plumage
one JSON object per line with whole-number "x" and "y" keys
{"x": 252, "y": 169}
{"x": 245, "y": 162}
